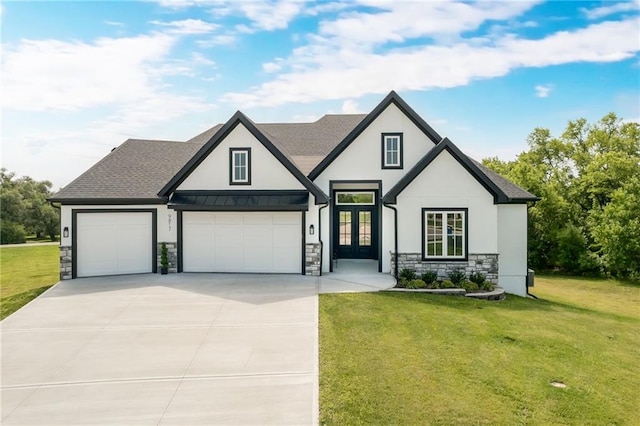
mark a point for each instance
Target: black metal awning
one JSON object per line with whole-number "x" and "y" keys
{"x": 248, "y": 200}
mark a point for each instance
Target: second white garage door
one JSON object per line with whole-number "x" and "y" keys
{"x": 242, "y": 242}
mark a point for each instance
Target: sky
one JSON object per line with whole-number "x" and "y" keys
{"x": 79, "y": 78}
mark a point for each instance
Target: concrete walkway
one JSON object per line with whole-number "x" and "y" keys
{"x": 180, "y": 349}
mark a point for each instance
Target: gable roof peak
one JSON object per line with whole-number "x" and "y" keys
{"x": 392, "y": 97}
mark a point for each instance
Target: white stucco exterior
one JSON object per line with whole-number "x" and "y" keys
{"x": 361, "y": 160}
{"x": 512, "y": 246}
{"x": 266, "y": 171}
{"x": 446, "y": 184}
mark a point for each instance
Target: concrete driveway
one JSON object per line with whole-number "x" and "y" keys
{"x": 177, "y": 349}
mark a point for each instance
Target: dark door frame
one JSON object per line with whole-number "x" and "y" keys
{"x": 377, "y": 191}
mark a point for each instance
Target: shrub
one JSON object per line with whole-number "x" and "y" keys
{"x": 470, "y": 286}
{"x": 402, "y": 283}
{"x": 433, "y": 284}
{"x": 407, "y": 274}
{"x": 12, "y": 233}
{"x": 457, "y": 277}
{"x": 429, "y": 277}
{"x": 447, "y": 284}
{"x": 164, "y": 255}
{"x": 487, "y": 286}
{"x": 478, "y": 278}
{"x": 413, "y": 284}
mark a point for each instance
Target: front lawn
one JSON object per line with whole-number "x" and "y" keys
{"x": 397, "y": 358}
{"x": 26, "y": 272}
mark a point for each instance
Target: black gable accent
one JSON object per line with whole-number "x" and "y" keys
{"x": 499, "y": 197}
{"x": 392, "y": 97}
{"x": 219, "y": 136}
{"x": 244, "y": 200}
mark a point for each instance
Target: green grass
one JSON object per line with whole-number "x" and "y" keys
{"x": 25, "y": 272}
{"x": 398, "y": 358}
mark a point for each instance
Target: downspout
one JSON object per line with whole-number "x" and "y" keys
{"x": 395, "y": 237}
{"x": 320, "y": 234}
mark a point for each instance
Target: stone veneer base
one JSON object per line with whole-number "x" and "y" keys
{"x": 172, "y": 255}
{"x": 65, "y": 263}
{"x": 312, "y": 259}
{"x": 487, "y": 263}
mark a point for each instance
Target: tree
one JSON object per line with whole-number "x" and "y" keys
{"x": 578, "y": 175}
{"x": 24, "y": 208}
{"x": 616, "y": 230}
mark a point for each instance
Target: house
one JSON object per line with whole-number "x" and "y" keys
{"x": 293, "y": 198}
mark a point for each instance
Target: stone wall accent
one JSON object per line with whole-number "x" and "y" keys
{"x": 172, "y": 255}
{"x": 65, "y": 263}
{"x": 487, "y": 263}
{"x": 312, "y": 259}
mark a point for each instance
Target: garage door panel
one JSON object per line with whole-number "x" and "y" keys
{"x": 227, "y": 259}
{"x": 244, "y": 242}
{"x": 228, "y": 235}
{"x": 112, "y": 243}
{"x": 287, "y": 219}
{"x": 286, "y": 235}
{"x": 200, "y": 233}
{"x": 257, "y": 236}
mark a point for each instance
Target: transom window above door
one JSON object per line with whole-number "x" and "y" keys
{"x": 240, "y": 166}
{"x": 355, "y": 198}
{"x": 392, "y": 150}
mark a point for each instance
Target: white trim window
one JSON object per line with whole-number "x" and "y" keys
{"x": 240, "y": 166}
{"x": 355, "y": 198}
{"x": 444, "y": 233}
{"x": 392, "y": 150}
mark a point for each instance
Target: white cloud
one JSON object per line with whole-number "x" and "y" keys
{"x": 350, "y": 107}
{"x": 602, "y": 11}
{"x": 335, "y": 68}
{"x": 542, "y": 91}
{"x": 114, "y": 23}
{"x": 188, "y": 26}
{"x": 121, "y": 76}
{"x": 399, "y": 21}
{"x": 217, "y": 40}
{"x": 275, "y": 65}
{"x": 80, "y": 75}
{"x": 263, "y": 15}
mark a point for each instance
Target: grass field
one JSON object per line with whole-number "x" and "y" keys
{"x": 394, "y": 358}
{"x": 25, "y": 272}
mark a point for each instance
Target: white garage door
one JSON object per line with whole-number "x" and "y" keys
{"x": 113, "y": 243}
{"x": 241, "y": 242}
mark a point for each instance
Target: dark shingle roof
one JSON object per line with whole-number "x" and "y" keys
{"x": 139, "y": 169}
{"x": 136, "y": 170}
{"x": 512, "y": 190}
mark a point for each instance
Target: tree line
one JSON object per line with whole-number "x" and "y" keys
{"x": 24, "y": 209}
{"x": 588, "y": 179}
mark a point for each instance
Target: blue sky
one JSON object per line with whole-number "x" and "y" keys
{"x": 79, "y": 78}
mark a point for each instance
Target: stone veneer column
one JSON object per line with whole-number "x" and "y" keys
{"x": 172, "y": 256}
{"x": 312, "y": 259}
{"x": 65, "y": 263}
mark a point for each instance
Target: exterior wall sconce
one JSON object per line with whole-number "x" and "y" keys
{"x": 65, "y": 232}
{"x": 312, "y": 230}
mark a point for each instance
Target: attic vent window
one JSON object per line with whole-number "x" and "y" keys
{"x": 392, "y": 150}
{"x": 240, "y": 166}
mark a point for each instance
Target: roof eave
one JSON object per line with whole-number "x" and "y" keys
{"x": 107, "y": 201}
